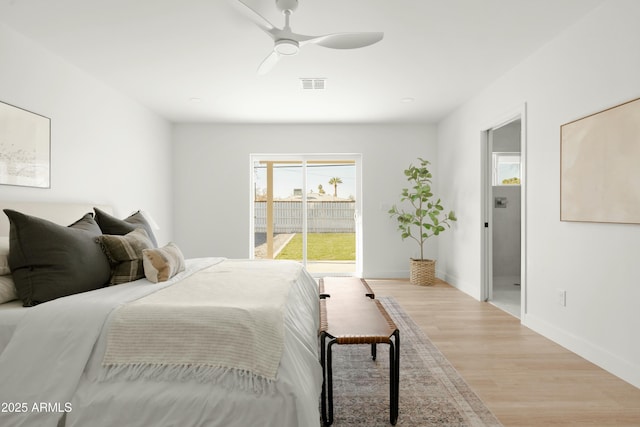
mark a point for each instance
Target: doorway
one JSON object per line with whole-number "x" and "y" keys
{"x": 306, "y": 208}
{"x": 504, "y": 213}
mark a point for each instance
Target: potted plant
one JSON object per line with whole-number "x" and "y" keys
{"x": 423, "y": 219}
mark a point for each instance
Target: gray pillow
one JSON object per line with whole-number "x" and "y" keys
{"x": 119, "y": 227}
{"x": 50, "y": 261}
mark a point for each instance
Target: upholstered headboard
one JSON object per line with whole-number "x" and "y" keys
{"x": 58, "y": 212}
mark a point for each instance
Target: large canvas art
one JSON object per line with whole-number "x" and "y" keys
{"x": 25, "y": 140}
{"x": 600, "y": 166}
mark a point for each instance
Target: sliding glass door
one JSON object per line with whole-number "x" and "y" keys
{"x": 306, "y": 208}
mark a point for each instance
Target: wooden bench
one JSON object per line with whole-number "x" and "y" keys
{"x": 351, "y": 318}
{"x": 344, "y": 287}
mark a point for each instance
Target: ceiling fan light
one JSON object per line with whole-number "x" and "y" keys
{"x": 286, "y": 47}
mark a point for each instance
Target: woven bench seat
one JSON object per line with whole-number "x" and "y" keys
{"x": 344, "y": 287}
{"x": 354, "y": 319}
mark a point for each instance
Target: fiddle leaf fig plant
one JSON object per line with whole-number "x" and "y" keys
{"x": 424, "y": 216}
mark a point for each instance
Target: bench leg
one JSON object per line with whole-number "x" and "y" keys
{"x": 328, "y": 420}
{"x": 373, "y": 351}
{"x": 323, "y": 351}
{"x": 394, "y": 377}
{"x": 326, "y": 360}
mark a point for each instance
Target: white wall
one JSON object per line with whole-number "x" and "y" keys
{"x": 593, "y": 65}
{"x": 104, "y": 147}
{"x": 212, "y": 183}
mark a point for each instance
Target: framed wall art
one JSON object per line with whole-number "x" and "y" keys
{"x": 600, "y": 166}
{"x": 25, "y": 147}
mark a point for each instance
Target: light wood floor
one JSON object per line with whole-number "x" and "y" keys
{"x": 524, "y": 378}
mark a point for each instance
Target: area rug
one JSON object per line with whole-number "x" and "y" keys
{"x": 432, "y": 393}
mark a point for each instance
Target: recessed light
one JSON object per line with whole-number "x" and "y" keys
{"x": 195, "y": 100}
{"x": 407, "y": 100}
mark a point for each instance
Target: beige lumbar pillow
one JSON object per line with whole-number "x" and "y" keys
{"x": 162, "y": 264}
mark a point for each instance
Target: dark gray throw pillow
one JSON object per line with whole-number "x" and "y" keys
{"x": 119, "y": 227}
{"x": 50, "y": 261}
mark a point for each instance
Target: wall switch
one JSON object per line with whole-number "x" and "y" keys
{"x": 562, "y": 297}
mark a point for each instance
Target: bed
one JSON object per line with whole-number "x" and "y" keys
{"x": 218, "y": 342}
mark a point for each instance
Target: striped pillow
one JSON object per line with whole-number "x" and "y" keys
{"x": 125, "y": 255}
{"x": 162, "y": 264}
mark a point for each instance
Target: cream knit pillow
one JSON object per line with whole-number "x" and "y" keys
{"x": 162, "y": 264}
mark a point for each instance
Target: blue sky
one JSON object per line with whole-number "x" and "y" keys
{"x": 286, "y": 178}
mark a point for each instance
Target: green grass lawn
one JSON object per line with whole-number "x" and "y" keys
{"x": 322, "y": 247}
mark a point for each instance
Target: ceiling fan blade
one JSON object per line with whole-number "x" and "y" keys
{"x": 257, "y": 19}
{"x": 268, "y": 63}
{"x": 343, "y": 40}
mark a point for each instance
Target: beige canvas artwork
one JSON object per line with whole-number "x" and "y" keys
{"x": 600, "y": 166}
{"x": 25, "y": 140}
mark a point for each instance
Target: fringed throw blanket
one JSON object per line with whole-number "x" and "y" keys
{"x": 223, "y": 324}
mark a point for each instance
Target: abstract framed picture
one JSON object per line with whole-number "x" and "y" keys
{"x": 25, "y": 147}
{"x": 599, "y": 166}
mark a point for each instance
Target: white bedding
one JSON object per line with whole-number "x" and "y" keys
{"x": 58, "y": 365}
{"x": 10, "y": 315}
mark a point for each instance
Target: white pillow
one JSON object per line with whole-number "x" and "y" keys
{"x": 7, "y": 289}
{"x": 4, "y": 254}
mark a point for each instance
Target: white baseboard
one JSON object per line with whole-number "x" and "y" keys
{"x": 623, "y": 369}
{"x": 471, "y": 289}
{"x": 382, "y": 274}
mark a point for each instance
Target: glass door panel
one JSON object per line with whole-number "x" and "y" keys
{"x": 305, "y": 209}
{"x": 331, "y": 231}
{"x": 278, "y": 215}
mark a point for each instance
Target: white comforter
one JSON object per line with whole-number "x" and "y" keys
{"x": 49, "y": 370}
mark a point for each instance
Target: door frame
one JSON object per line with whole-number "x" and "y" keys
{"x": 487, "y": 204}
{"x": 304, "y": 158}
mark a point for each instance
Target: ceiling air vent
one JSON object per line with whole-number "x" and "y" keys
{"x": 313, "y": 84}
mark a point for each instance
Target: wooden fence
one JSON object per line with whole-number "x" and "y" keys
{"x": 322, "y": 217}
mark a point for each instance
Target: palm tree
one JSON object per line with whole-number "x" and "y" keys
{"x": 335, "y": 181}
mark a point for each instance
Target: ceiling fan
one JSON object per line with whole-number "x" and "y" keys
{"x": 288, "y": 43}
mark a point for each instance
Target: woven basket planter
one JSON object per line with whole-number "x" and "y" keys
{"x": 423, "y": 272}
